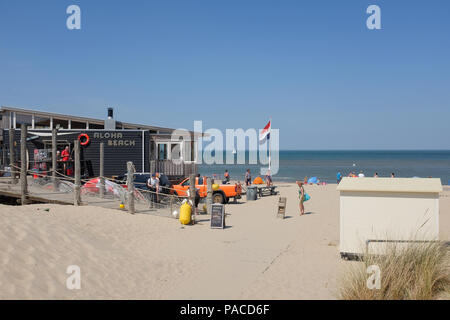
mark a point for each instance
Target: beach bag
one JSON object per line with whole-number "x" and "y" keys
{"x": 307, "y": 197}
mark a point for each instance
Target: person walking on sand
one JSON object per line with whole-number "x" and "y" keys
{"x": 301, "y": 193}
{"x": 248, "y": 178}
{"x": 268, "y": 178}
{"x": 339, "y": 177}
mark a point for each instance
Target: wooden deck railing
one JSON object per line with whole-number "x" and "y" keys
{"x": 173, "y": 169}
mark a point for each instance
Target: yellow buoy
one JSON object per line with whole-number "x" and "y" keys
{"x": 185, "y": 213}
{"x": 215, "y": 187}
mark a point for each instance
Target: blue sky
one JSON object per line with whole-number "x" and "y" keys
{"x": 326, "y": 80}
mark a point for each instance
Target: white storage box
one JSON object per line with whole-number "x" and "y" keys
{"x": 373, "y": 210}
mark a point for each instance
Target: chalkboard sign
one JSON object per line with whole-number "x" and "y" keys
{"x": 218, "y": 216}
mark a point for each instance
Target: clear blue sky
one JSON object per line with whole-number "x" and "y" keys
{"x": 327, "y": 81}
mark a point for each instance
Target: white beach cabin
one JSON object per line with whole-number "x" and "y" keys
{"x": 376, "y": 211}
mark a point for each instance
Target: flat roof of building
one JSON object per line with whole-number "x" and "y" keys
{"x": 405, "y": 185}
{"x": 82, "y": 119}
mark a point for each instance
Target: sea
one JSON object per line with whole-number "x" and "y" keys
{"x": 296, "y": 165}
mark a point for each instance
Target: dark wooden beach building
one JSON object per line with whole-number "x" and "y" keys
{"x": 150, "y": 148}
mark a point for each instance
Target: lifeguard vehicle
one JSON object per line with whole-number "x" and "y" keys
{"x": 221, "y": 193}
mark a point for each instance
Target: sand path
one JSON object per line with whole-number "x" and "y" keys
{"x": 147, "y": 257}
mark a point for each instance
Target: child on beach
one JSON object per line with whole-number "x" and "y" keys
{"x": 339, "y": 177}
{"x": 301, "y": 193}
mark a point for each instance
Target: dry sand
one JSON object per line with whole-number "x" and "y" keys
{"x": 148, "y": 257}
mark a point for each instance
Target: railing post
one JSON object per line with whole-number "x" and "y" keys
{"x": 77, "y": 196}
{"x": 102, "y": 170}
{"x": 12, "y": 159}
{"x": 192, "y": 196}
{"x": 54, "y": 160}
{"x": 23, "y": 164}
{"x": 209, "y": 195}
{"x": 130, "y": 186}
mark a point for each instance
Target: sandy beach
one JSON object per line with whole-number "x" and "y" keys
{"x": 148, "y": 257}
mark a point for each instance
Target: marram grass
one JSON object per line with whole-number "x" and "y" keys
{"x": 413, "y": 271}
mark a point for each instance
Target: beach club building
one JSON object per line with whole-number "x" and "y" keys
{"x": 150, "y": 148}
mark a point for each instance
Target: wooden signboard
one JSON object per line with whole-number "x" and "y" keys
{"x": 218, "y": 216}
{"x": 281, "y": 207}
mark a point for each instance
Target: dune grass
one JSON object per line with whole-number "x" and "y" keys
{"x": 413, "y": 271}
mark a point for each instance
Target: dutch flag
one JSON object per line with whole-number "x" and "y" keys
{"x": 265, "y": 134}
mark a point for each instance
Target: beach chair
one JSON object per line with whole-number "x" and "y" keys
{"x": 281, "y": 207}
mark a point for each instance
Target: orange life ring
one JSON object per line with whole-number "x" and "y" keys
{"x": 86, "y": 140}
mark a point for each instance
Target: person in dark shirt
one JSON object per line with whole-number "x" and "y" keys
{"x": 164, "y": 183}
{"x": 248, "y": 178}
{"x": 226, "y": 177}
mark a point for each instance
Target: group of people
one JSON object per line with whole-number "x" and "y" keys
{"x": 64, "y": 157}
{"x": 248, "y": 178}
{"x": 158, "y": 183}
{"x": 361, "y": 174}
{"x": 303, "y": 196}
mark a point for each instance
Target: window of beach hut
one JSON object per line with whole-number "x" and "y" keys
{"x": 24, "y": 119}
{"x": 162, "y": 151}
{"x": 175, "y": 151}
{"x": 41, "y": 122}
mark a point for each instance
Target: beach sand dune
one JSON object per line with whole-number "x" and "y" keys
{"x": 146, "y": 257}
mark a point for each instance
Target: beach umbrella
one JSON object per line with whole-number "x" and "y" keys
{"x": 313, "y": 180}
{"x": 258, "y": 180}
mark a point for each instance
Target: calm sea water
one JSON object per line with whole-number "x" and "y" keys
{"x": 295, "y": 165}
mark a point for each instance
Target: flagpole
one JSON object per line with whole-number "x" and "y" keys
{"x": 270, "y": 141}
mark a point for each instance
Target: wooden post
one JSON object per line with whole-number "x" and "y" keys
{"x": 23, "y": 164}
{"x": 3, "y": 157}
{"x": 209, "y": 195}
{"x": 77, "y": 196}
{"x": 54, "y": 160}
{"x": 102, "y": 170}
{"x": 130, "y": 186}
{"x": 192, "y": 196}
{"x": 12, "y": 160}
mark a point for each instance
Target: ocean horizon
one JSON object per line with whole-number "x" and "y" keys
{"x": 325, "y": 164}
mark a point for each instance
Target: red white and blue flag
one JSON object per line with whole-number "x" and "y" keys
{"x": 265, "y": 133}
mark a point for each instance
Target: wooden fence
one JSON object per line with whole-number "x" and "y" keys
{"x": 173, "y": 169}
